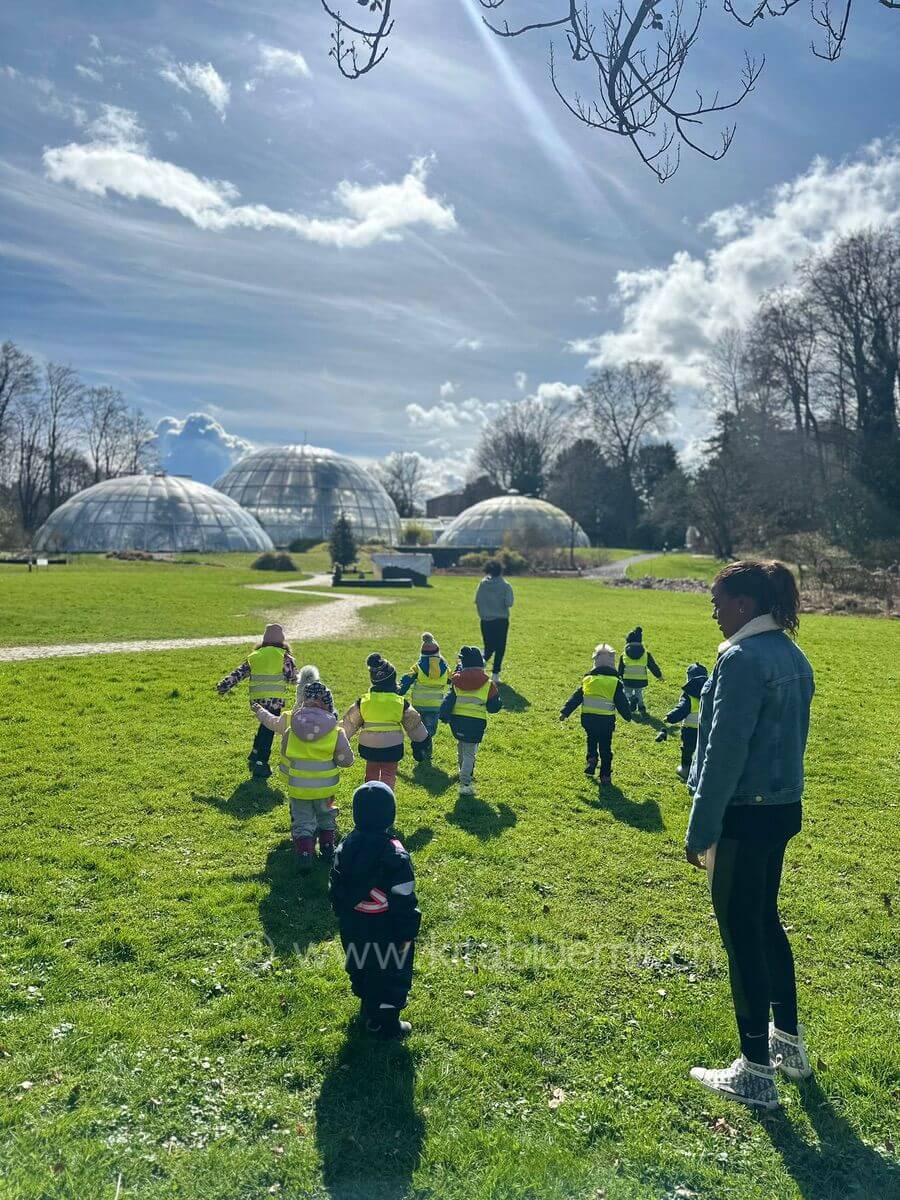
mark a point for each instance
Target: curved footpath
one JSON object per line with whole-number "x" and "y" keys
{"x": 338, "y": 617}
{"x": 617, "y": 569}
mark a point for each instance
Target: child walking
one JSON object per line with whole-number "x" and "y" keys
{"x": 633, "y": 667}
{"x": 601, "y": 696}
{"x": 314, "y": 749}
{"x": 271, "y": 671}
{"x": 687, "y": 711}
{"x": 372, "y": 888}
{"x": 428, "y": 677}
{"x": 381, "y": 718}
{"x": 465, "y": 708}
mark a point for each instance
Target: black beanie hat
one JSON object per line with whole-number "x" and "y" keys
{"x": 636, "y": 635}
{"x": 374, "y": 808}
{"x": 471, "y": 656}
{"x": 380, "y": 669}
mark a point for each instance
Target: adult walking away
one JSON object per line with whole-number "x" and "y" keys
{"x": 747, "y": 781}
{"x": 493, "y": 599}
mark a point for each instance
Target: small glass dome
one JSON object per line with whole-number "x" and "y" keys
{"x": 517, "y": 521}
{"x": 157, "y": 513}
{"x": 300, "y": 491}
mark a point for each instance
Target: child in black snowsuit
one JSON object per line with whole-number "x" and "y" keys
{"x": 372, "y": 890}
{"x": 633, "y": 667}
{"x": 687, "y": 711}
{"x": 600, "y": 696}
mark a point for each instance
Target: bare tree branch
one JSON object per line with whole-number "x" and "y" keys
{"x": 364, "y": 48}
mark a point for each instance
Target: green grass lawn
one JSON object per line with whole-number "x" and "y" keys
{"x": 676, "y": 566}
{"x": 175, "y": 1016}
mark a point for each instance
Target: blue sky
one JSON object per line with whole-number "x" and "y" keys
{"x": 196, "y": 208}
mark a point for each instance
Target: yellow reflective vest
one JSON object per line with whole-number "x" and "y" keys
{"x": 267, "y": 680}
{"x": 428, "y": 690}
{"x": 472, "y": 704}
{"x": 692, "y": 720}
{"x": 382, "y": 712}
{"x": 634, "y": 670}
{"x": 308, "y": 768}
{"x": 598, "y": 695}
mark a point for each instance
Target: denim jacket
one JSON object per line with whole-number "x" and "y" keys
{"x": 754, "y": 720}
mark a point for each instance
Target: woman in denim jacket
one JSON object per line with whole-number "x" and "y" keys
{"x": 747, "y": 782}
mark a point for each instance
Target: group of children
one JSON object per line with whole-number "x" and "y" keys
{"x": 372, "y": 883}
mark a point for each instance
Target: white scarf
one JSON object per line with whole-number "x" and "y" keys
{"x": 764, "y": 624}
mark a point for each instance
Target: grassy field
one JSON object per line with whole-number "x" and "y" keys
{"x": 676, "y": 566}
{"x": 175, "y": 1017}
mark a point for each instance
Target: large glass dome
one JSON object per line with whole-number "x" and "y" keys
{"x": 515, "y": 521}
{"x": 150, "y": 512}
{"x": 299, "y": 492}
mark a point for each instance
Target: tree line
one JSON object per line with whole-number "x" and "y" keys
{"x": 58, "y": 436}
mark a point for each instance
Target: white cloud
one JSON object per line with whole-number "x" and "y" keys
{"x": 521, "y": 379}
{"x": 273, "y": 60}
{"x": 95, "y": 42}
{"x": 200, "y": 77}
{"x": 468, "y": 344}
{"x": 447, "y": 388}
{"x": 466, "y": 414}
{"x": 117, "y": 125}
{"x": 250, "y": 85}
{"x": 677, "y": 312}
{"x": 118, "y": 161}
{"x": 591, "y": 303}
{"x": 88, "y": 73}
{"x": 197, "y": 446}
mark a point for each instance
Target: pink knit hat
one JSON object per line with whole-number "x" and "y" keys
{"x": 273, "y": 636}
{"x": 429, "y": 645}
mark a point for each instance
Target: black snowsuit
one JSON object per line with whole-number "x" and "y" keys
{"x": 598, "y": 728}
{"x": 682, "y": 709}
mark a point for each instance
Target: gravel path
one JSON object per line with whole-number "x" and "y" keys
{"x": 338, "y": 617}
{"x": 617, "y": 569}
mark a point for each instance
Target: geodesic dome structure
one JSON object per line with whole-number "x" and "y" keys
{"x": 300, "y": 491}
{"x": 150, "y": 512}
{"x": 517, "y": 521}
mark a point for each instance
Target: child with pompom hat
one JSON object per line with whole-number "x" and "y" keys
{"x": 271, "y": 671}
{"x": 465, "y": 708}
{"x": 600, "y": 697}
{"x": 428, "y": 677}
{"x": 381, "y": 718}
{"x": 634, "y": 664}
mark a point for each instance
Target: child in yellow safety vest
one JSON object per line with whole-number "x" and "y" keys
{"x": 465, "y": 708}
{"x": 314, "y": 748}
{"x": 600, "y": 697}
{"x": 634, "y": 665}
{"x": 272, "y": 672}
{"x": 687, "y": 712}
{"x": 383, "y": 719}
{"x": 428, "y": 677}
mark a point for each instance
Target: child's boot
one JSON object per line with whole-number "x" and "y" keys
{"x": 590, "y": 767}
{"x": 606, "y": 776}
{"x": 304, "y": 847}
{"x": 327, "y": 839}
{"x": 387, "y": 1024}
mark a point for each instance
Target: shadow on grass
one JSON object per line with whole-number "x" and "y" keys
{"x": 295, "y": 911}
{"x": 645, "y": 816}
{"x": 368, "y": 1132}
{"x": 838, "y": 1165}
{"x": 249, "y": 799}
{"x": 433, "y": 779}
{"x": 643, "y": 718}
{"x": 417, "y": 840}
{"x": 478, "y": 817}
{"x": 512, "y": 700}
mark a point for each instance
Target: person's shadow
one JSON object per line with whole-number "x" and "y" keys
{"x": 295, "y": 912}
{"x": 417, "y": 840}
{"x": 433, "y": 779}
{"x": 368, "y": 1132}
{"x": 838, "y": 1166}
{"x": 249, "y": 799}
{"x": 645, "y": 815}
{"x": 480, "y": 818}
{"x": 644, "y": 718}
{"x": 512, "y": 700}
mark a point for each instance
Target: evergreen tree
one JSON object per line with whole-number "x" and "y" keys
{"x": 342, "y": 544}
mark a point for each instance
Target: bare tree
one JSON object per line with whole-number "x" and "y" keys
{"x": 623, "y": 406}
{"x": 30, "y": 460}
{"x": 402, "y": 477}
{"x": 782, "y": 344}
{"x": 106, "y": 427}
{"x": 61, "y": 400}
{"x": 138, "y": 441}
{"x": 18, "y": 379}
{"x": 354, "y": 48}
{"x": 518, "y": 449}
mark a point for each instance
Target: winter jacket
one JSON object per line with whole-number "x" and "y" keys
{"x": 754, "y": 721}
{"x": 635, "y": 650}
{"x": 243, "y": 672}
{"x": 587, "y": 719}
{"x": 682, "y": 709}
{"x": 312, "y": 722}
{"x": 493, "y": 598}
{"x": 468, "y": 729}
{"x": 383, "y": 746}
{"x": 429, "y": 669}
{"x": 372, "y": 880}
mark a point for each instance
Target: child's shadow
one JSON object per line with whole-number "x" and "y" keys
{"x": 480, "y": 818}
{"x": 645, "y": 815}
{"x": 433, "y": 779}
{"x": 418, "y": 840}
{"x": 368, "y": 1132}
{"x": 295, "y": 912}
{"x": 249, "y": 799}
{"x": 836, "y": 1167}
{"x": 644, "y": 718}
{"x": 512, "y": 700}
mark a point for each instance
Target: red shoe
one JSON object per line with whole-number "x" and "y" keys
{"x": 305, "y": 848}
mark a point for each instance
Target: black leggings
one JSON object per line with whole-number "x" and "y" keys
{"x": 494, "y": 634}
{"x": 599, "y": 743}
{"x": 745, "y": 880}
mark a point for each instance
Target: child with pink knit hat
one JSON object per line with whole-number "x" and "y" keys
{"x": 271, "y": 670}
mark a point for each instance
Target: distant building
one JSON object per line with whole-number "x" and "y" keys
{"x": 451, "y": 504}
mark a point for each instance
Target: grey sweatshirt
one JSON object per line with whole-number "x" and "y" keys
{"x": 494, "y": 599}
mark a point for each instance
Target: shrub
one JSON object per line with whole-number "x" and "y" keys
{"x": 273, "y": 562}
{"x": 512, "y": 561}
{"x": 415, "y": 534}
{"x": 302, "y": 545}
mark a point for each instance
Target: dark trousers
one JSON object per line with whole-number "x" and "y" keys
{"x": 262, "y": 746}
{"x": 746, "y": 876}
{"x": 688, "y": 746}
{"x": 599, "y": 734}
{"x": 380, "y": 969}
{"x": 494, "y": 635}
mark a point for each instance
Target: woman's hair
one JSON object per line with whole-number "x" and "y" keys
{"x": 767, "y": 582}
{"x": 493, "y": 568}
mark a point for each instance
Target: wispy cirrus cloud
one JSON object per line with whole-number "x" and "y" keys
{"x": 275, "y": 60}
{"x": 202, "y": 78}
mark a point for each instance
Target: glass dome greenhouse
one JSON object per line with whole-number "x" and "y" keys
{"x": 150, "y": 512}
{"x": 517, "y": 521}
{"x": 300, "y": 491}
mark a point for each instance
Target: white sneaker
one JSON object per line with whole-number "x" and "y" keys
{"x": 466, "y": 789}
{"x": 749, "y": 1082}
{"x": 789, "y": 1052}
{"x": 681, "y": 773}
{"x": 495, "y": 678}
